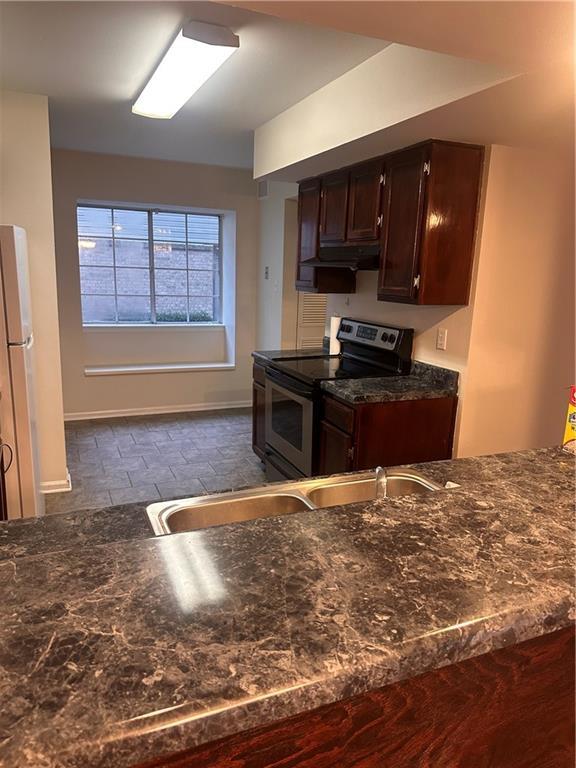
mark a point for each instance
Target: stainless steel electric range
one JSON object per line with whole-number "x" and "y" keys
{"x": 293, "y": 390}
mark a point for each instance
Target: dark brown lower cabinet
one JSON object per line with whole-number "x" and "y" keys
{"x": 336, "y": 450}
{"x": 258, "y": 420}
{"x": 511, "y": 708}
{"x": 386, "y": 434}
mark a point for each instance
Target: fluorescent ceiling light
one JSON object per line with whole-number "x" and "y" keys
{"x": 197, "y": 52}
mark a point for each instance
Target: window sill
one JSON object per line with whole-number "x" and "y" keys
{"x": 123, "y": 370}
{"x": 151, "y": 327}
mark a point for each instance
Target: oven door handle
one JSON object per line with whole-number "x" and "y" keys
{"x": 290, "y": 384}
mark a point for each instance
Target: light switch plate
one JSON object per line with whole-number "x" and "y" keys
{"x": 442, "y": 338}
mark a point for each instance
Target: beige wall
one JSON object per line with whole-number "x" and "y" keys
{"x": 276, "y": 297}
{"x": 521, "y": 359}
{"x": 425, "y": 320}
{"x": 86, "y": 176}
{"x": 26, "y": 200}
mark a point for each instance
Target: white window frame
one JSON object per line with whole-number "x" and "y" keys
{"x": 219, "y": 310}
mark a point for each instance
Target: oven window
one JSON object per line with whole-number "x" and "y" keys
{"x": 287, "y": 419}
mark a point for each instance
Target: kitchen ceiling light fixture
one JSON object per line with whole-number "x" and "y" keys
{"x": 198, "y": 50}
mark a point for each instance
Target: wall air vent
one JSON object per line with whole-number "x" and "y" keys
{"x": 313, "y": 309}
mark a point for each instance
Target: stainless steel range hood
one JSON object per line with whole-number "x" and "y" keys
{"x": 347, "y": 257}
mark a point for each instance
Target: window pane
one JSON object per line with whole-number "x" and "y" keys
{"x": 113, "y": 250}
{"x": 200, "y": 283}
{"x": 203, "y": 229}
{"x": 131, "y": 253}
{"x": 171, "y": 255}
{"x": 201, "y": 310}
{"x": 94, "y": 222}
{"x": 96, "y": 280}
{"x": 202, "y": 257}
{"x": 95, "y": 251}
{"x": 171, "y": 309}
{"x": 98, "y": 309}
{"x": 131, "y": 224}
{"x": 132, "y": 281}
{"x": 170, "y": 282}
{"x": 134, "y": 309}
{"x": 170, "y": 227}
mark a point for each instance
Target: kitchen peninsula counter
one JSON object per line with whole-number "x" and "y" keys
{"x": 120, "y": 649}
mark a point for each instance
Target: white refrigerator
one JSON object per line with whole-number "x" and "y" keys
{"x": 19, "y": 456}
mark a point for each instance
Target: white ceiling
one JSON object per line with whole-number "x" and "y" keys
{"x": 92, "y": 59}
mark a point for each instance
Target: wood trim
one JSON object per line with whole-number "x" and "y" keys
{"x": 511, "y": 708}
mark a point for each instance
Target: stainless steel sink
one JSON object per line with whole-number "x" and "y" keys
{"x": 280, "y": 499}
{"x": 334, "y": 494}
{"x": 207, "y": 511}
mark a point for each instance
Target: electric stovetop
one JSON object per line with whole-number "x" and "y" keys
{"x": 327, "y": 368}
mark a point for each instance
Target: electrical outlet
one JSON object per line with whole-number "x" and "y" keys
{"x": 442, "y": 338}
{"x": 266, "y": 273}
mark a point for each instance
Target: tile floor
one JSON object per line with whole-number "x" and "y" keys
{"x": 123, "y": 460}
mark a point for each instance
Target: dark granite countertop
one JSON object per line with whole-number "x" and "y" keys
{"x": 424, "y": 382}
{"x": 114, "y": 652}
{"x": 71, "y": 530}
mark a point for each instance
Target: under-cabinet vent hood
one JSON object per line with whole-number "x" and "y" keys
{"x": 347, "y": 256}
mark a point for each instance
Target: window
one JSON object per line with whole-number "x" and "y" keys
{"x": 148, "y": 266}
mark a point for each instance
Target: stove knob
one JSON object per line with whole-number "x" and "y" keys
{"x": 384, "y": 337}
{"x": 391, "y": 339}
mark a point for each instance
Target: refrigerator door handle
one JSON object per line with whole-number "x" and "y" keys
{"x": 26, "y": 344}
{"x": 10, "y": 454}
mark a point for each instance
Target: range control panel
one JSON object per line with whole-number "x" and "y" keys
{"x": 376, "y": 336}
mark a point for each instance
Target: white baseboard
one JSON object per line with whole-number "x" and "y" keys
{"x": 56, "y": 486}
{"x": 156, "y": 409}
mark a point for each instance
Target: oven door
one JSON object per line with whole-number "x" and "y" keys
{"x": 290, "y": 419}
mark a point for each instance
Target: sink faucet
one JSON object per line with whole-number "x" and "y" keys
{"x": 381, "y": 483}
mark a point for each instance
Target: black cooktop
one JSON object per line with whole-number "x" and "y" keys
{"x": 327, "y": 368}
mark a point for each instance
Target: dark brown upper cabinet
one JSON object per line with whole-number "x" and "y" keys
{"x": 334, "y": 207}
{"x": 309, "y": 278}
{"x": 403, "y": 207}
{"x": 429, "y": 207}
{"x": 417, "y": 208}
{"x": 364, "y": 216}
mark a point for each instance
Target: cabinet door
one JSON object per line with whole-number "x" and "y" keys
{"x": 308, "y": 222}
{"x": 403, "y": 210}
{"x": 258, "y": 420}
{"x": 308, "y": 278}
{"x": 334, "y": 207}
{"x": 364, "y": 201}
{"x": 336, "y": 450}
